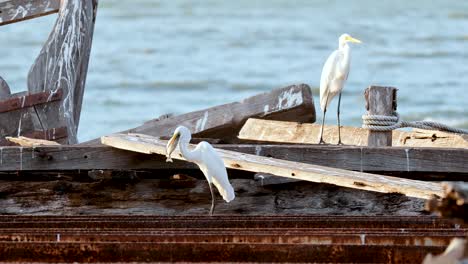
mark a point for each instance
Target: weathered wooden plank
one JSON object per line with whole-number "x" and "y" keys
{"x": 165, "y": 194}
{"x": 62, "y": 63}
{"x": 380, "y": 101}
{"x": 29, "y": 99}
{"x": 451, "y": 162}
{"x": 224, "y": 121}
{"x": 296, "y": 170}
{"x": 12, "y": 11}
{"x": 31, "y": 142}
{"x": 304, "y": 133}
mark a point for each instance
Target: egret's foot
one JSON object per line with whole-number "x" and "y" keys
{"x": 340, "y": 143}
{"x": 322, "y": 142}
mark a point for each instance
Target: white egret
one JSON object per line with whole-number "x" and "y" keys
{"x": 334, "y": 75}
{"x": 207, "y": 159}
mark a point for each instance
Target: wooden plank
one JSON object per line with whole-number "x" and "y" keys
{"x": 12, "y": 11}
{"x": 296, "y": 170}
{"x": 224, "y": 121}
{"x": 451, "y": 163}
{"x": 56, "y": 134}
{"x": 303, "y": 133}
{"x": 29, "y": 99}
{"x": 163, "y": 194}
{"x": 65, "y": 67}
{"x": 31, "y": 142}
{"x": 380, "y": 101}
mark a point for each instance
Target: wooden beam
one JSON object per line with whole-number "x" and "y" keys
{"x": 380, "y": 101}
{"x": 12, "y": 11}
{"x": 302, "y": 133}
{"x": 450, "y": 162}
{"x": 22, "y": 101}
{"x": 295, "y": 170}
{"x": 224, "y": 121}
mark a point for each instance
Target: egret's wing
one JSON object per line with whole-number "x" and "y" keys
{"x": 330, "y": 72}
{"x": 215, "y": 170}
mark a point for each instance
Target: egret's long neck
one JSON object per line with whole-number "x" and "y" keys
{"x": 346, "y": 53}
{"x": 189, "y": 155}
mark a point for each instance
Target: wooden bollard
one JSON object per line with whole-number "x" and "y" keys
{"x": 380, "y": 101}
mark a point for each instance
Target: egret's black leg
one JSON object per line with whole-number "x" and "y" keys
{"x": 321, "y": 128}
{"x": 339, "y": 127}
{"x": 323, "y": 120}
{"x": 212, "y": 200}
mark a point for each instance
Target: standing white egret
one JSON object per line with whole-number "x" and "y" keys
{"x": 207, "y": 159}
{"x": 334, "y": 75}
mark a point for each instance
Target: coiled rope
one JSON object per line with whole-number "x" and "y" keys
{"x": 384, "y": 123}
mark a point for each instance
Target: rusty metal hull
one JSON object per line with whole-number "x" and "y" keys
{"x": 330, "y": 239}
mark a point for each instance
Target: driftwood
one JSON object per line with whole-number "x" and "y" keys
{"x": 13, "y": 11}
{"x": 296, "y": 170}
{"x": 224, "y": 121}
{"x": 419, "y": 163}
{"x": 303, "y": 133}
{"x": 56, "y": 79}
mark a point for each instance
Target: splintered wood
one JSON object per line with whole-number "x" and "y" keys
{"x": 305, "y": 133}
{"x": 31, "y": 142}
{"x": 321, "y": 174}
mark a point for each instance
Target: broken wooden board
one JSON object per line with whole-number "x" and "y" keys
{"x": 224, "y": 121}
{"x": 31, "y": 142}
{"x": 12, "y": 11}
{"x": 303, "y": 133}
{"x": 416, "y": 163}
{"x": 296, "y": 170}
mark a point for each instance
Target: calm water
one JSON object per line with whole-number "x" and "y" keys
{"x": 154, "y": 57}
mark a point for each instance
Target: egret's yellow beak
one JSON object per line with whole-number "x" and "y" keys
{"x": 171, "y": 145}
{"x": 351, "y": 39}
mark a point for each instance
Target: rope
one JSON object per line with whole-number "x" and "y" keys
{"x": 384, "y": 123}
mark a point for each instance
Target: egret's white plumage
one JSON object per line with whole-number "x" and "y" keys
{"x": 207, "y": 159}
{"x": 334, "y": 75}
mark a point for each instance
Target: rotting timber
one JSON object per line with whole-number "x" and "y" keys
{"x": 103, "y": 204}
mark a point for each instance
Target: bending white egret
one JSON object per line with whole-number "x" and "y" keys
{"x": 334, "y": 75}
{"x": 207, "y": 159}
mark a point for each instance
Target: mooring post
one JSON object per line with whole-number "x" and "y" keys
{"x": 380, "y": 101}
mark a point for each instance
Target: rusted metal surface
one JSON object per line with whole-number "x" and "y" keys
{"x": 28, "y": 100}
{"x": 334, "y": 239}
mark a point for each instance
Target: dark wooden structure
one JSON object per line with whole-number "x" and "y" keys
{"x": 50, "y": 108}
